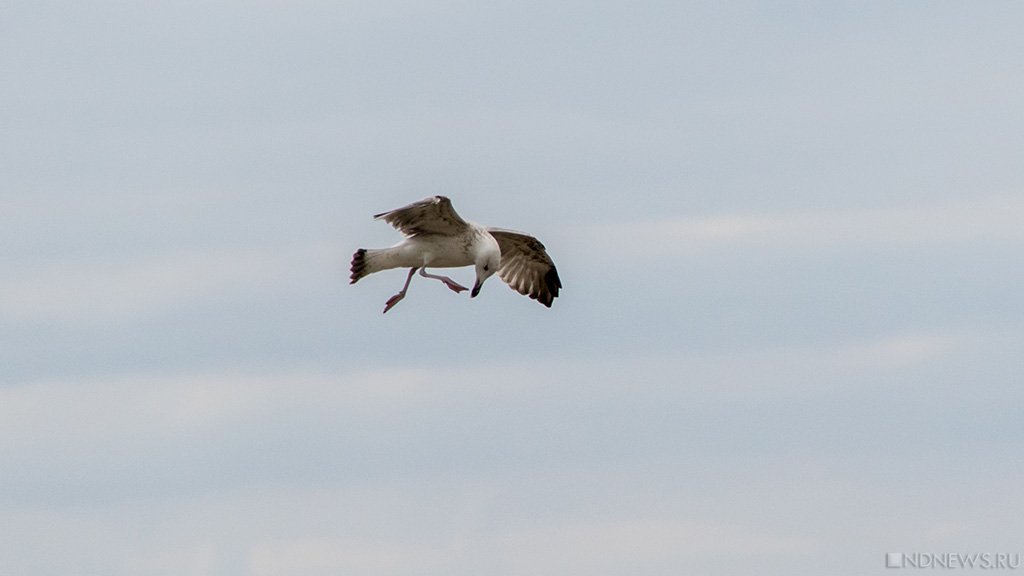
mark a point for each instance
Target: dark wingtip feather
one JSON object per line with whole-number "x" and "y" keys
{"x": 553, "y": 283}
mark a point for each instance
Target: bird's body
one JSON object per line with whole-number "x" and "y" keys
{"x": 437, "y": 237}
{"x": 433, "y": 250}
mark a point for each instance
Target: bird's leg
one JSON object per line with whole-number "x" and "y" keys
{"x": 447, "y": 281}
{"x": 398, "y": 297}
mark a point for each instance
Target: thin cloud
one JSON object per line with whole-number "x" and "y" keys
{"x": 340, "y": 555}
{"x": 104, "y": 292}
{"x": 110, "y": 410}
{"x": 628, "y": 541}
{"x": 113, "y": 409}
{"x": 900, "y": 226}
{"x": 536, "y": 549}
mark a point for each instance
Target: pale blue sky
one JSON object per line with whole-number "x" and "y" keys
{"x": 790, "y": 237}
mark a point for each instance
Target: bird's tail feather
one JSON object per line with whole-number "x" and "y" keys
{"x": 358, "y": 266}
{"x": 363, "y": 264}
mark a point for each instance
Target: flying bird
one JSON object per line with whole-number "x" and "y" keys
{"x": 437, "y": 237}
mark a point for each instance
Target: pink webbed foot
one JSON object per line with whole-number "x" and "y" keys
{"x": 454, "y": 285}
{"x": 398, "y": 297}
{"x": 392, "y": 301}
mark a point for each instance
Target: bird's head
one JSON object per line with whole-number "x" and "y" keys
{"x": 487, "y": 263}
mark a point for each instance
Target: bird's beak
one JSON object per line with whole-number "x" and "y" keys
{"x": 476, "y": 289}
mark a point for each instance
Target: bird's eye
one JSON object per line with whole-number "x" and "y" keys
{"x": 486, "y": 268}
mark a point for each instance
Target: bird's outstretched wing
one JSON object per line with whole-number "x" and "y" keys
{"x": 526, "y": 266}
{"x": 433, "y": 215}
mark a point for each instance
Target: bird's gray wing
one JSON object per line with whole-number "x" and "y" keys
{"x": 526, "y": 266}
{"x": 433, "y": 215}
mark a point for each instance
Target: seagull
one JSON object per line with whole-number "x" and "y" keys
{"x": 437, "y": 237}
